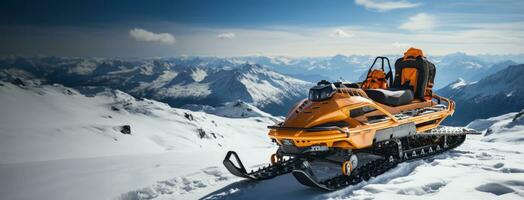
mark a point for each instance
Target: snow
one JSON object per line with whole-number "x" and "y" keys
{"x": 505, "y": 82}
{"x": 471, "y": 65}
{"x": 458, "y": 84}
{"x": 196, "y": 90}
{"x": 56, "y": 143}
{"x": 83, "y": 68}
{"x": 469, "y": 172}
{"x": 166, "y": 76}
{"x": 507, "y": 128}
{"x": 44, "y": 123}
{"x": 198, "y": 75}
{"x": 476, "y": 170}
{"x": 264, "y": 85}
{"x": 238, "y": 109}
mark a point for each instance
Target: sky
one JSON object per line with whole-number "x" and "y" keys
{"x": 226, "y": 28}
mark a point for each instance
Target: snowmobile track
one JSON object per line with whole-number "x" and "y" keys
{"x": 455, "y": 135}
{"x": 375, "y": 168}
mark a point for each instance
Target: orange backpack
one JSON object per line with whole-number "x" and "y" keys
{"x": 376, "y": 79}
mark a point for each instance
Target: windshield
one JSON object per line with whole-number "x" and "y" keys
{"x": 319, "y": 93}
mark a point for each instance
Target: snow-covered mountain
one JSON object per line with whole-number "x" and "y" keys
{"x": 263, "y": 81}
{"x": 496, "y": 94}
{"x": 238, "y": 109}
{"x": 313, "y": 69}
{"x": 175, "y": 81}
{"x": 464, "y": 66}
{"x": 68, "y": 124}
{"x": 133, "y": 72}
{"x": 353, "y": 67}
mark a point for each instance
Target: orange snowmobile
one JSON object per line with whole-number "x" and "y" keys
{"x": 361, "y": 130}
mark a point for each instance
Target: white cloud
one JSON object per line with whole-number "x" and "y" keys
{"x": 148, "y": 36}
{"x": 342, "y": 34}
{"x": 419, "y": 22}
{"x": 382, "y": 6}
{"x": 226, "y": 35}
{"x": 312, "y": 41}
{"x": 401, "y": 45}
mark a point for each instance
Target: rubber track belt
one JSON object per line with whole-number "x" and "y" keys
{"x": 376, "y": 167}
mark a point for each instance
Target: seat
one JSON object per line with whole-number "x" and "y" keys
{"x": 415, "y": 72}
{"x": 391, "y": 97}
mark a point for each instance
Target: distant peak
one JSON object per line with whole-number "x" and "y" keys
{"x": 459, "y": 83}
{"x": 339, "y": 56}
{"x": 250, "y": 66}
{"x": 458, "y": 55}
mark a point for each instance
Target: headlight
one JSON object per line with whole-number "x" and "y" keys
{"x": 322, "y": 92}
{"x": 287, "y": 142}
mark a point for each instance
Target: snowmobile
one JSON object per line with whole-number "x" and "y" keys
{"x": 345, "y": 133}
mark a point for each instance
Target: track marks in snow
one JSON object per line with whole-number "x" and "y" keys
{"x": 396, "y": 176}
{"x": 427, "y": 188}
{"x": 495, "y": 188}
{"x": 178, "y": 185}
{"x": 511, "y": 170}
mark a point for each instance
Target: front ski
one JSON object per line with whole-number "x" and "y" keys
{"x": 371, "y": 169}
{"x": 266, "y": 172}
{"x": 306, "y": 179}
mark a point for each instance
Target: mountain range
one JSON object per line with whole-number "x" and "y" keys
{"x": 495, "y": 94}
{"x": 353, "y": 67}
{"x": 175, "y": 81}
{"x": 273, "y": 84}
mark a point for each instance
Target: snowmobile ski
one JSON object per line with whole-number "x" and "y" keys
{"x": 266, "y": 172}
{"x": 305, "y": 179}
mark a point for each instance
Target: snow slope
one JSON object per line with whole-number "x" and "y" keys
{"x": 67, "y": 124}
{"x": 238, "y": 109}
{"x": 481, "y": 168}
{"x": 58, "y": 144}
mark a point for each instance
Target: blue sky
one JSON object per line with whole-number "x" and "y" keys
{"x": 239, "y": 28}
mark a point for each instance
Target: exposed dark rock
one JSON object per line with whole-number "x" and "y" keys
{"x": 69, "y": 92}
{"x": 114, "y": 108}
{"x": 489, "y": 132}
{"x": 125, "y": 129}
{"x": 188, "y": 116}
{"x": 518, "y": 115}
{"x": 18, "y": 82}
{"x": 201, "y": 133}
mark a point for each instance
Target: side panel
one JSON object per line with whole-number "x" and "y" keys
{"x": 395, "y": 132}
